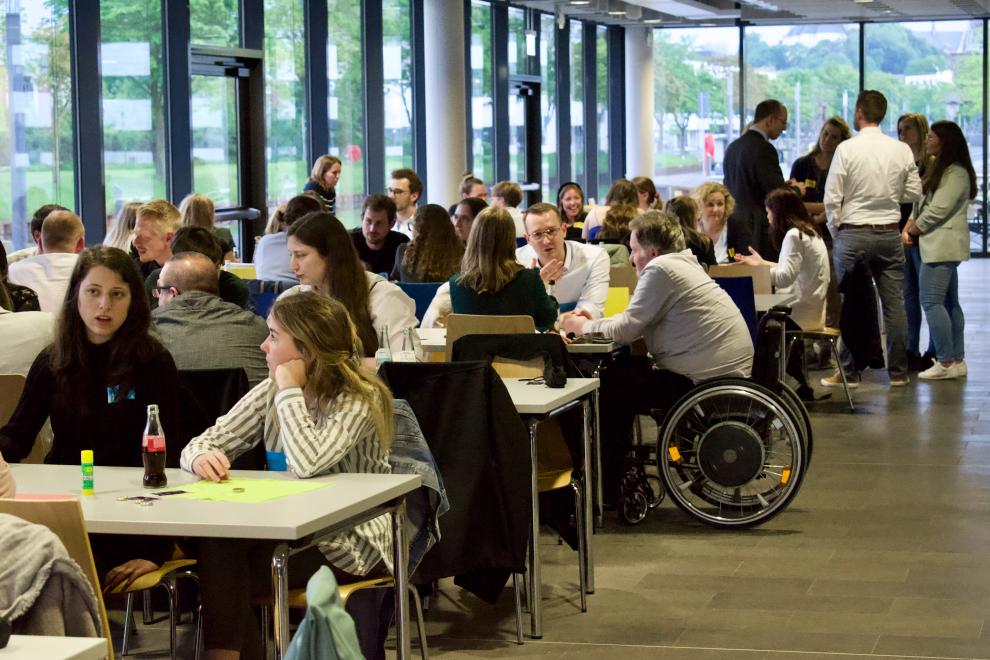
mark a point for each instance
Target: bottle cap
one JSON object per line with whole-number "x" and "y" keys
{"x": 87, "y": 456}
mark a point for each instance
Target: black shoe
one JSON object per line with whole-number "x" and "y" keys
{"x": 919, "y": 362}
{"x": 807, "y": 394}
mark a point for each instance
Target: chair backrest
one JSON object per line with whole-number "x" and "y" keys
{"x": 516, "y": 355}
{"x": 623, "y": 276}
{"x": 64, "y": 517}
{"x": 740, "y": 289}
{"x": 11, "y": 387}
{"x": 422, "y": 294}
{"x": 262, "y": 294}
{"x": 617, "y": 300}
{"x": 759, "y": 274}
{"x": 459, "y": 325}
{"x": 212, "y": 393}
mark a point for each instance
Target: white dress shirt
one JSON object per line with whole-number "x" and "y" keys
{"x": 47, "y": 275}
{"x": 689, "y": 323}
{"x": 586, "y": 276}
{"x": 802, "y": 270}
{"x": 871, "y": 175}
{"x": 404, "y": 226}
{"x": 25, "y": 334}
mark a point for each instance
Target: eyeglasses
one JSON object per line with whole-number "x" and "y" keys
{"x": 546, "y": 233}
{"x": 157, "y": 291}
{"x": 396, "y": 191}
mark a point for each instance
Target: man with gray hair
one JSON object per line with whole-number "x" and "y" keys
{"x": 200, "y": 330}
{"x": 691, "y": 327}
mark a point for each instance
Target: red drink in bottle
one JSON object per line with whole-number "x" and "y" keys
{"x": 153, "y": 451}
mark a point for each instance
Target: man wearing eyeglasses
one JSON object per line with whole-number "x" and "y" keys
{"x": 405, "y": 189}
{"x": 577, "y": 274}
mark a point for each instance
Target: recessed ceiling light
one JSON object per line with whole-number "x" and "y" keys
{"x": 580, "y": 2}
{"x": 617, "y": 12}
{"x": 652, "y": 20}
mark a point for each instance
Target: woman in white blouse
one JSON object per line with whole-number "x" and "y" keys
{"x": 318, "y": 412}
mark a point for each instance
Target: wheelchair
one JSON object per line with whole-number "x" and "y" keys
{"x": 732, "y": 452}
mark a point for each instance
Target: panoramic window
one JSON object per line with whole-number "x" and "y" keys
{"x": 285, "y": 68}
{"x": 482, "y": 108}
{"x": 345, "y": 105}
{"x": 398, "y": 59}
{"x": 548, "y": 107}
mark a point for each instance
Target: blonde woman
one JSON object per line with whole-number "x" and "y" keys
{"x": 119, "y": 235}
{"x": 323, "y": 180}
{"x": 491, "y": 281}
{"x": 318, "y": 412}
{"x": 728, "y": 236}
{"x": 198, "y": 211}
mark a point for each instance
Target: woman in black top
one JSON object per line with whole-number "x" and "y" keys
{"x": 811, "y": 170}
{"x": 323, "y": 180}
{"x": 685, "y": 209}
{"x": 18, "y": 298}
{"x": 570, "y": 203}
{"x": 95, "y": 383}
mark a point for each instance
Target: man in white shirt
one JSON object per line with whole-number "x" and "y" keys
{"x": 35, "y": 226}
{"x": 508, "y": 195}
{"x": 405, "y": 189}
{"x": 691, "y": 327}
{"x": 25, "y": 334}
{"x": 47, "y": 274}
{"x": 157, "y": 222}
{"x": 576, "y": 273}
{"x": 870, "y": 176}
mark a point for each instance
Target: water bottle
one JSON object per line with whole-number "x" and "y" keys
{"x": 384, "y": 353}
{"x": 408, "y": 352}
{"x": 153, "y": 450}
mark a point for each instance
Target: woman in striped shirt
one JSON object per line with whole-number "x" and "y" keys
{"x": 318, "y": 412}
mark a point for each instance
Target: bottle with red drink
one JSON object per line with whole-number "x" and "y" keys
{"x": 153, "y": 451}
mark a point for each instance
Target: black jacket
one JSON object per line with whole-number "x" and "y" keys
{"x": 859, "y": 324}
{"x": 752, "y": 169}
{"x": 481, "y": 448}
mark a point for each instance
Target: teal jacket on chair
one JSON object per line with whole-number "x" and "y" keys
{"x": 327, "y": 632}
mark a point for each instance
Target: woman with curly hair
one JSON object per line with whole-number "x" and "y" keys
{"x": 729, "y": 236}
{"x": 435, "y": 252}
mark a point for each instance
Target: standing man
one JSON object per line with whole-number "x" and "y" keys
{"x": 752, "y": 169}
{"x": 870, "y": 177}
{"x": 405, "y": 190}
{"x": 375, "y": 240}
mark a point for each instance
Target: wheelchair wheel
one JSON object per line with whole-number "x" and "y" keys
{"x": 634, "y": 507}
{"x": 801, "y": 412}
{"x": 732, "y": 453}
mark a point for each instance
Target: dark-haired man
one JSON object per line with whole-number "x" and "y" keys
{"x": 405, "y": 190}
{"x": 35, "y": 226}
{"x": 375, "y": 240}
{"x": 202, "y": 241}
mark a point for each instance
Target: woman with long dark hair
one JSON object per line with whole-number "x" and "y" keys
{"x": 685, "y": 209}
{"x": 435, "y": 252}
{"x": 942, "y": 231}
{"x": 570, "y": 204}
{"x": 623, "y": 191}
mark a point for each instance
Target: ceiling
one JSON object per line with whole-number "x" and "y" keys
{"x": 731, "y": 12}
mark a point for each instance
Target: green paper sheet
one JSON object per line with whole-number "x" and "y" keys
{"x": 255, "y": 490}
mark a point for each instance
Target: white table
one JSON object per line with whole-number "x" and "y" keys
{"x": 34, "y": 647}
{"x": 434, "y": 340}
{"x": 536, "y": 403}
{"x": 294, "y": 522}
{"x": 765, "y": 301}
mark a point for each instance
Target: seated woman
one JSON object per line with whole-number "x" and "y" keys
{"x": 435, "y": 252}
{"x": 325, "y": 414}
{"x": 322, "y": 256}
{"x": 729, "y": 235}
{"x": 464, "y": 214}
{"x": 614, "y": 234}
{"x": 95, "y": 383}
{"x": 622, "y": 191}
{"x": 198, "y": 211}
{"x": 491, "y": 281}
{"x": 570, "y": 204}
{"x": 685, "y": 209}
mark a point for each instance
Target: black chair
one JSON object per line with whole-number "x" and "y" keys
{"x": 211, "y": 393}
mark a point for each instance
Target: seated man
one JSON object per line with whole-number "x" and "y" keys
{"x": 47, "y": 274}
{"x": 25, "y": 334}
{"x": 576, "y": 273}
{"x": 34, "y": 225}
{"x": 202, "y": 240}
{"x": 374, "y": 240}
{"x": 508, "y": 195}
{"x": 156, "y": 224}
{"x": 200, "y": 330}
{"x": 405, "y": 190}
{"x": 691, "y": 327}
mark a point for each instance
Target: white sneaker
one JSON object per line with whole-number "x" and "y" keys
{"x": 959, "y": 369}
{"x": 939, "y": 372}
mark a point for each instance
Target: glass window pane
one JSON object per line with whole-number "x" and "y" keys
{"x": 285, "y": 122}
{"x": 214, "y": 23}
{"x": 812, "y": 69}
{"x": 548, "y": 106}
{"x": 36, "y": 161}
{"x": 133, "y": 102}
{"x": 518, "y": 62}
{"x": 601, "y": 80}
{"x": 577, "y": 103}
{"x": 346, "y": 105}
{"x": 397, "y": 29}
{"x": 935, "y": 68}
{"x": 517, "y": 135}
{"x": 693, "y": 65}
{"x": 482, "y": 109}
{"x": 214, "y": 133}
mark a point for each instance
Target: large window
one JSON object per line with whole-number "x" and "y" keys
{"x": 345, "y": 105}
{"x": 601, "y": 81}
{"x": 214, "y": 139}
{"x": 548, "y": 107}
{"x": 36, "y": 162}
{"x": 812, "y": 69}
{"x": 397, "y": 30}
{"x": 482, "y": 108}
{"x": 214, "y": 23}
{"x": 935, "y": 68}
{"x": 518, "y": 61}
{"x": 577, "y": 105}
{"x": 285, "y": 67}
{"x": 133, "y": 102}
{"x": 696, "y": 100}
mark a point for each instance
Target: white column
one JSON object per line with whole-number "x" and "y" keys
{"x": 639, "y": 102}
{"x": 446, "y": 99}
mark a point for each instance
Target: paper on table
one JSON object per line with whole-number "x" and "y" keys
{"x": 250, "y": 491}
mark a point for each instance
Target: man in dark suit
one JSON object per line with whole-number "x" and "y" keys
{"x": 752, "y": 169}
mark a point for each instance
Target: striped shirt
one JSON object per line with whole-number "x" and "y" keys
{"x": 341, "y": 438}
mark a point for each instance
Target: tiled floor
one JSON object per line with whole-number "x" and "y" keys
{"x": 882, "y": 554}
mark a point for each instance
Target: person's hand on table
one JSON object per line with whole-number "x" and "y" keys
{"x": 212, "y": 465}
{"x": 126, "y": 573}
{"x": 751, "y": 259}
{"x": 551, "y": 272}
{"x": 291, "y": 374}
{"x": 574, "y": 321}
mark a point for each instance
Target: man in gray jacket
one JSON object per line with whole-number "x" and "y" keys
{"x": 200, "y": 330}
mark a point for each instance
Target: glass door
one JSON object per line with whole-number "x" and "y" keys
{"x": 525, "y": 137}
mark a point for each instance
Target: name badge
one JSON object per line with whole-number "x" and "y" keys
{"x": 810, "y": 183}
{"x": 276, "y": 461}
{"x": 113, "y": 394}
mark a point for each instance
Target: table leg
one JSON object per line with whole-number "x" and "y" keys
{"x": 400, "y": 560}
{"x": 535, "y": 580}
{"x": 280, "y": 591}
{"x": 586, "y": 493}
{"x": 596, "y": 474}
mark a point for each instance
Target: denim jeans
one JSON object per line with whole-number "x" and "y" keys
{"x": 912, "y": 300}
{"x": 940, "y": 300}
{"x": 885, "y": 255}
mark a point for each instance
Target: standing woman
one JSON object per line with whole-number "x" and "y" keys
{"x": 728, "y": 236}
{"x": 570, "y": 204}
{"x": 322, "y": 256}
{"x": 323, "y": 180}
{"x": 942, "y": 232}
{"x": 912, "y": 129}
{"x": 198, "y": 211}
{"x": 434, "y": 253}
{"x": 649, "y": 198}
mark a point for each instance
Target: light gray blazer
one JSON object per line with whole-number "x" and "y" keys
{"x": 941, "y": 217}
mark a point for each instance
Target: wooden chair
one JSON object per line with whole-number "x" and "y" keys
{"x": 760, "y": 275}
{"x": 797, "y": 338}
{"x": 64, "y": 517}
{"x": 11, "y": 386}
{"x": 623, "y": 276}
{"x": 459, "y": 325}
